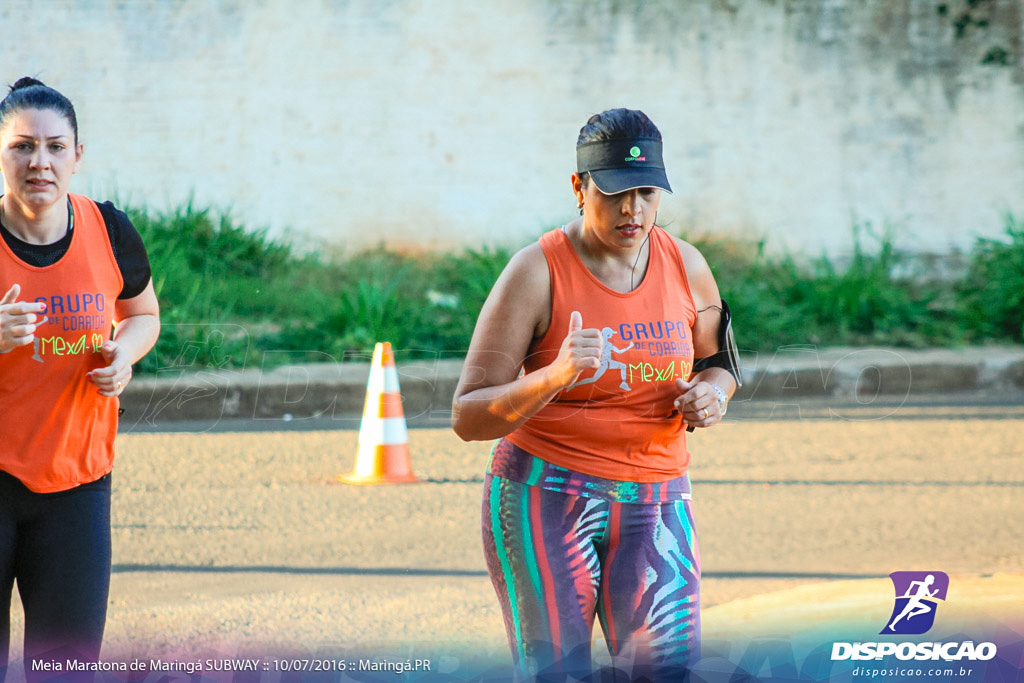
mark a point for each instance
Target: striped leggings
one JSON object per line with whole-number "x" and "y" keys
{"x": 556, "y": 560}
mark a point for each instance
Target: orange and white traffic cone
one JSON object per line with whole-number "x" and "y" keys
{"x": 383, "y": 452}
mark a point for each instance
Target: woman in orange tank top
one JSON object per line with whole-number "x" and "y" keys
{"x": 69, "y": 276}
{"x": 582, "y": 366}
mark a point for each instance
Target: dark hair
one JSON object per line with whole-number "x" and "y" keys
{"x": 616, "y": 124}
{"x": 29, "y": 93}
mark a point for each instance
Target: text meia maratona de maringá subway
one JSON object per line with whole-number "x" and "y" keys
{"x": 157, "y": 665}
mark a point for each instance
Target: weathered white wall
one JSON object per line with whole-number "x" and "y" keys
{"x": 439, "y": 122}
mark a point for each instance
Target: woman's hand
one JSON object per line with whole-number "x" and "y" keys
{"x": 581, "y": 350}
{"x": 114, "y": 377}
{"x": 698, "y": 403}
{"x": 136, "y": 331}
{"x": 18, "y": 320}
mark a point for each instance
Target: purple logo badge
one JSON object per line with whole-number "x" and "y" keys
{"x": 917, "y": 596}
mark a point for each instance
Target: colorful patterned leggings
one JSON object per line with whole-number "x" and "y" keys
{"x": 557, "y": 559}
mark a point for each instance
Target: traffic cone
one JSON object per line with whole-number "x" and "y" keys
{"x": 383, "y": 452}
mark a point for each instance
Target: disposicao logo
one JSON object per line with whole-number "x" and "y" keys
{"x": 917, "y": 596}
{"x": 917, "y": 599}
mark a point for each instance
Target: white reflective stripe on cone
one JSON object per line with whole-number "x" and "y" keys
{"x": 390, "y": 379}
{"x": 388, "y": 431}
{"x": 382, "y": 381}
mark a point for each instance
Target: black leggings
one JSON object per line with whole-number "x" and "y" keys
{"x": 57, "y": 547}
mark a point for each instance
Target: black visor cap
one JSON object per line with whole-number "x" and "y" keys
{"x": 619, "y": 165}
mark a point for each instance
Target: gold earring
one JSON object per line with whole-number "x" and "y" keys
{"x": 579, "y": 204}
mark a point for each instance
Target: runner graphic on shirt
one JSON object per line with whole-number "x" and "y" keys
{"x": 37, "y": 343}
{"x": 916, "y": 605}
{"x": 607, "y": 362}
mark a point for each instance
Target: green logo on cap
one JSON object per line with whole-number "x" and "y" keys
{"x": 635, "y": 154}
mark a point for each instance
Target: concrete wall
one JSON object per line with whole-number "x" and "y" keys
{"x": 437, "y": 122}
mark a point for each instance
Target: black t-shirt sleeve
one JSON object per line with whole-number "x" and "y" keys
{"x": 129, "y": 251}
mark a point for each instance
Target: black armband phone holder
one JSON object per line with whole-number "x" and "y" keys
{"x": 728, "y": 356}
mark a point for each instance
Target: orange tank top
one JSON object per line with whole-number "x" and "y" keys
{"x": 58, "y": 432}
{"x": 619, "y": 421}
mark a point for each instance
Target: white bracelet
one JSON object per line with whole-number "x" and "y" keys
{"x": 723, "y": 398}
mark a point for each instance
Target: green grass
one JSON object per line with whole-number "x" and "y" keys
{"x": 233, "y": 297}
{"x": 875, "y": 296}
{"x": 223, "y": 290}
{"x": 990, "y": 299}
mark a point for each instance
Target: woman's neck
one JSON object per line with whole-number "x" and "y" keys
{"x": 622, "y": 270}
{"x": 45, "y": 226}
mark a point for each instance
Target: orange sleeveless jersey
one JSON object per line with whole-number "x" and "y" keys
{"x": 58, "y": 432}
{"x": 619, "y": 421}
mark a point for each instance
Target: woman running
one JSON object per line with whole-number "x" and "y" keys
{"x": 78, "y": 310}
{"x": 582, "y": 365}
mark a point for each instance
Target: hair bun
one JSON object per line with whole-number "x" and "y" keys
{"x": 26, "y": 82}
{"x": 31, "y": 93}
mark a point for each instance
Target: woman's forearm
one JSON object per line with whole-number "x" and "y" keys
{"x": 494, "y": 412}
{"x": 137, "y": 334}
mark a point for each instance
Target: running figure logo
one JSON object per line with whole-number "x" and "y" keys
{"x": 607, "y": 362}
{"x": 917, "y": 596}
